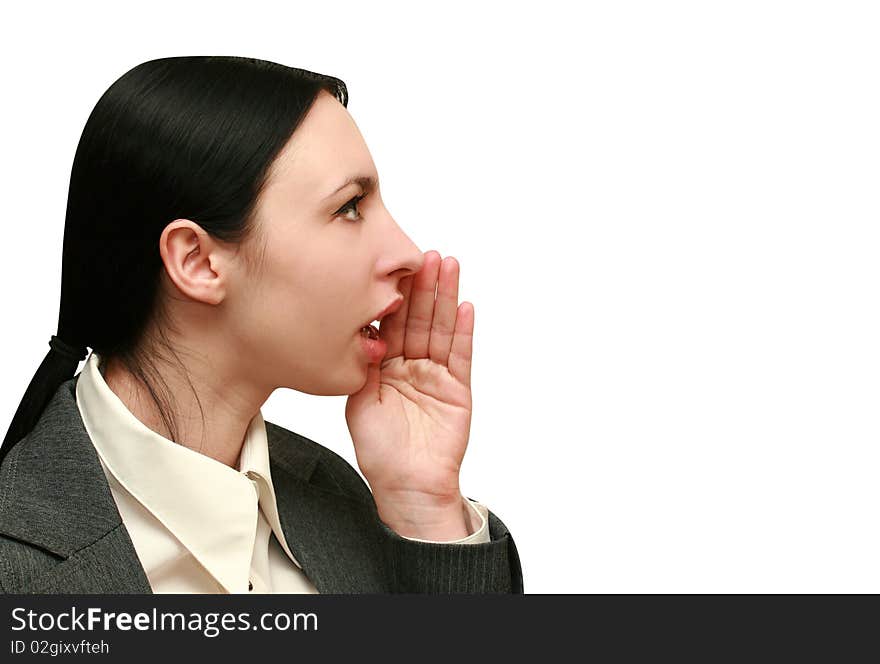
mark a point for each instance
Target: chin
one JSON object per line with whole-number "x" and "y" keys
{"x": 347, "y": 379}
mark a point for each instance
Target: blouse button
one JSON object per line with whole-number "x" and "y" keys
{"x": 250, "y": 585}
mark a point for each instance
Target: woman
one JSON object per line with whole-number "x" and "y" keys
{"x": 225, "y": 236}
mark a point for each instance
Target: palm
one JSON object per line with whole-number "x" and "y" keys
{"x": 410, "y": 422}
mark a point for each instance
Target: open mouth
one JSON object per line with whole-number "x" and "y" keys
{"x": 371, "y": 331}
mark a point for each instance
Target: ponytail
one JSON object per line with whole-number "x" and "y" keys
{"x": 59, "y": 365}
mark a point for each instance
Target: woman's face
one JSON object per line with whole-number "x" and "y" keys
{"x": 330, "y": 264}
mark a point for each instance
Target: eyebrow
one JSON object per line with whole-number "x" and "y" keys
{"x": 367, "y": 182}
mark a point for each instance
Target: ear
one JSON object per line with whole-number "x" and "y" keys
{"x": 195, "y": 262}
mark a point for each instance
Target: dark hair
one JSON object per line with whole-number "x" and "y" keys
{"x": 183, "y": 137}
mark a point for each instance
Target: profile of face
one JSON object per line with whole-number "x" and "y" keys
{"x": 333, "y": 258}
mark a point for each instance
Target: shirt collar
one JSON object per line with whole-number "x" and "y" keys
{"x": 207, "y": 505}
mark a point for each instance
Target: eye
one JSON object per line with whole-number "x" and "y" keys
{"x": 352, "y": 206}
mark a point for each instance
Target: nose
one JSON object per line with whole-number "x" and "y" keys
{"x": 405, "y": 258}
{"x": 414, "y": 262}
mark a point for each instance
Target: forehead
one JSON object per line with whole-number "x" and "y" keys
{"x": 325, "y": 149}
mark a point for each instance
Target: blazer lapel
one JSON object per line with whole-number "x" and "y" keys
{"x": 330, "y": 531}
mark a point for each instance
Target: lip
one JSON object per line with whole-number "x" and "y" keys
{"x": 390, "y": 309}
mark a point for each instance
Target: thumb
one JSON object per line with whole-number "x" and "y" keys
{"x": 369, "y": 393}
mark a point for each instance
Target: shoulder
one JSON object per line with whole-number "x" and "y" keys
{"x": 20, "y": 559}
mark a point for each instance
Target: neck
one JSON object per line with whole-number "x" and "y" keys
{"x": 228, "y": 405}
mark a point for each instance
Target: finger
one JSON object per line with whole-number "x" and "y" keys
{"x": 462, "y": 344}
{"x": 421, "y": 308}
{"x": 372, "y": 389}
{"x": 443, "y": 324}
{"x": 393, "y": 327}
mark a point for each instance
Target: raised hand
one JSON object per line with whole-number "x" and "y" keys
{"x": 410, "y": 422}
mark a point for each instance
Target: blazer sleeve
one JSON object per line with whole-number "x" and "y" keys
{"x": 427, "y": 567}
{"x": 432, "y": 568}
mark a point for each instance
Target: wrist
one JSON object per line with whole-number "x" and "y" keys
{"x": 426, "y": 518}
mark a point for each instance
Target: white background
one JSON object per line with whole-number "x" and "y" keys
{"x": 666, "y": 216}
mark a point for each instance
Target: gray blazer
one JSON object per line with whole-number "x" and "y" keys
{"x": 60, "y": 530}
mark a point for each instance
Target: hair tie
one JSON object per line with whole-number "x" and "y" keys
{"x": 66, "y": 350}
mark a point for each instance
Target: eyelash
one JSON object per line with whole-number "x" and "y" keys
{"x": 352, "y": 204}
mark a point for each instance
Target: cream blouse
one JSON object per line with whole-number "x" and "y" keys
{"x": 198, "y": 525}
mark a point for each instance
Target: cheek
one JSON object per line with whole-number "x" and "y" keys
{"x": 299, "y": 323}
{"x": 308, "y": 328}
{"x": 310, "y": 350}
